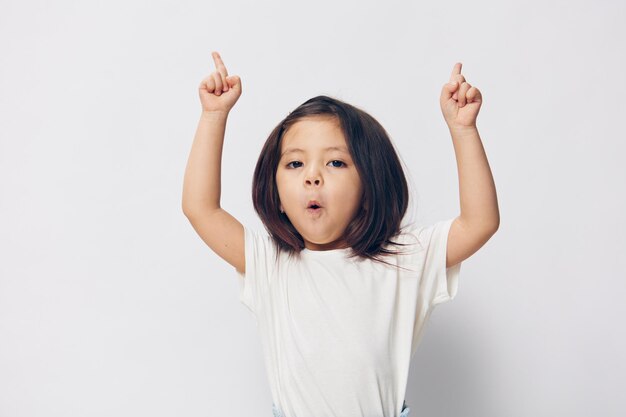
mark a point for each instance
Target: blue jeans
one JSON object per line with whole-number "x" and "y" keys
{"x": 405, "y": 410}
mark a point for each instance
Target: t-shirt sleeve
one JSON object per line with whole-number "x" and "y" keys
{"x": 259, "y": 255}
{"x": 438, "y": 283}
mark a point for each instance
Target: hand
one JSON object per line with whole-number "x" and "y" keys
{"x": 219, "y": 92}
{"x": 460, "y": 105}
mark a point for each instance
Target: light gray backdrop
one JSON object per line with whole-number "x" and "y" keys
{"x": 111, "y": 305}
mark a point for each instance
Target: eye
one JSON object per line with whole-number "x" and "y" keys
{"x": 293, "y": 162}
{"x": 298, "y": 162}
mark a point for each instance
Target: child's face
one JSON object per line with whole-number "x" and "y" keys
{"x": 314, "y": 173}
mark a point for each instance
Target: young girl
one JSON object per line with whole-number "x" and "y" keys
{"x": 339, "y": 290}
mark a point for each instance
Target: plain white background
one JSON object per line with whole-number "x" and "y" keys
{"x": 111, "y": 305}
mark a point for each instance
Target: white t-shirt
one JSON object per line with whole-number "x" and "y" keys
{"x": 338, "y": 334}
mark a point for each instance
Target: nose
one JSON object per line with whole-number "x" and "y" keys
{"x": 316, "y": 180}
{"x": 313, "y": 177}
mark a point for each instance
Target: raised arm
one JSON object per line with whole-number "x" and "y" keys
{"x": 480, "y": 216}
{"x": 202, "y": 184}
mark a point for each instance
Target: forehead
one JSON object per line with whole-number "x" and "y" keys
{"x": 314, "y": 134}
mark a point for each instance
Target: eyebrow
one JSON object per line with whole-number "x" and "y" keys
{"x": 330, "y": 148}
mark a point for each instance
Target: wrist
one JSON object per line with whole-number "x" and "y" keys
{"x": 463, "y": 130}
{"x": 214, "y": 114}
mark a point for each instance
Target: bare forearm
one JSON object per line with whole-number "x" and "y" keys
{"x": 202, "y": 183}
{"x": 477, "y": 191}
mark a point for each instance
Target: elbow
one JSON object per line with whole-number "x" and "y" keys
{"x": 494, "y": 227}
{"x": 491, "y": 224}
{"x": 196, "y": 211}
{"x": 486, "y": 227}
{"x": 187, "y": 211}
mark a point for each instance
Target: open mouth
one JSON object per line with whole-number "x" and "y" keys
{"x": 314, "y": 209}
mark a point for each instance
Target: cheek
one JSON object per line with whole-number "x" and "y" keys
{"x": 356, "y": 189}
{"x": 357, "y": 197}
{"x": 280, "y": 181}
{"x": 348, "y": 196}
{"x": 284, "y": 188}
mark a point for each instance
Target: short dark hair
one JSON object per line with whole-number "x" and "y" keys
{"x": 385, "y": 189}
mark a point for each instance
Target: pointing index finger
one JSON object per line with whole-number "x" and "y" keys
{"x": 456, "y": 70}
{"x": 219, "y": 64}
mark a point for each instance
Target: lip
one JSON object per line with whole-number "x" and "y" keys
{"x": 313, "y": 202}
{"x": 315, "y": 212}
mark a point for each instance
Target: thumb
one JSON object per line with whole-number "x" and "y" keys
{"x": 234, "y": 82}
{"x": 449, "y": 89}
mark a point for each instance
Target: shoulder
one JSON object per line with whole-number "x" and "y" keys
{"x": 260, "y": 247}
{"x": 418, "y": 237}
